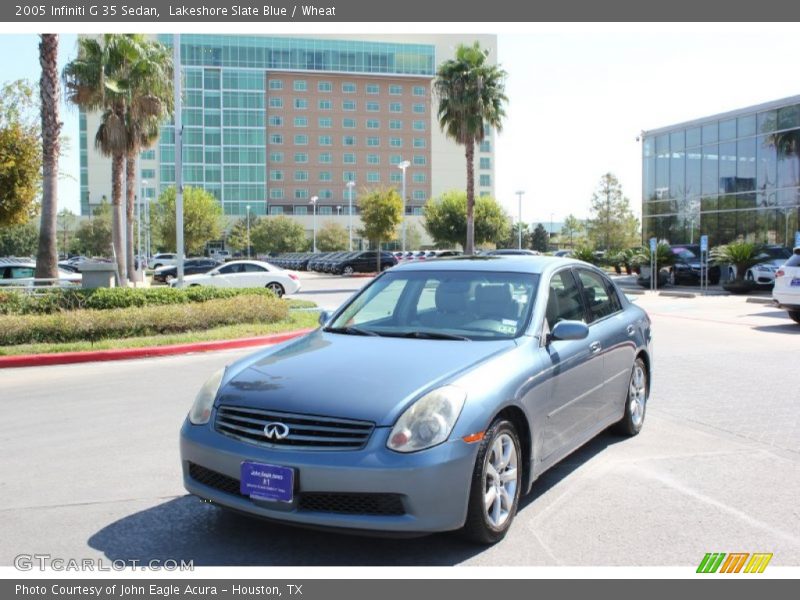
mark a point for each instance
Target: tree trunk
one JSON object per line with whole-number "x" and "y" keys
{"x": 118, "y": 217}
{"x": 378, "y": 249}
{"x": 46, "y": 256}
{"x": 130, "y": 198}
{"x": 469, "y": 247}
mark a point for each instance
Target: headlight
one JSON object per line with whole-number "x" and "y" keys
{"x": 428, "y": 421}
{"x": 203, "y": 403}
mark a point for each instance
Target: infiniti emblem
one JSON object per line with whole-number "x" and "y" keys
{"x": 276, "y": 431}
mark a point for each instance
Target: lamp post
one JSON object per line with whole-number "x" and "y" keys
{"x": 248, "y": 231}
{"x": 313, "y": 204}
{"x": 519, "y": 224}
{"x": 403, "y": 166}
{"x": 350, "y": 186}
{"x": 338, "y": 211}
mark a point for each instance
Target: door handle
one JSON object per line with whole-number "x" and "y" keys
{"x": 631, "y": 330}
{"x": 595, "y": 347}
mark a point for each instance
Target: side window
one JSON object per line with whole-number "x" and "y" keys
{"x": 20, "y": 272}
{"x": 228, "y": 269}
{"x": 597, "y": 297}
{"x": 564, "y": 300}
{"x": 248, "y": 268}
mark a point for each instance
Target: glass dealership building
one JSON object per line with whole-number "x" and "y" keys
{"x": 730, "y": 176}
{"x": 272, "y": 121}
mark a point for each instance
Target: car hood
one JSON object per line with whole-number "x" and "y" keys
{"x": 350, "y": 376}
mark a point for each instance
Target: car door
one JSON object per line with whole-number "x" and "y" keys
{"x": 227, "y": 276}
{"x": 253, "y": 276}
{"x": 576, "y": 369}
{"x": 609, "y": 325}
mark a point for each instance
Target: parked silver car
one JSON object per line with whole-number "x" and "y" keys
{"x": 517, "y": 361}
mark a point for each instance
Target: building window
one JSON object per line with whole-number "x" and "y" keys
{"x": 419, "y": 178}
{"x": 148, "y": 173}
{"x": 325, "y": 140}
{"x": 395, "y": 142}
{"x": 275, "y": 84}
{"x": 483, "y": 194}
{"x": 276, "y": 193}
{"x": 395, "y": 159}
{"x": 373, "y": 177}
{"x": 395, "y": 90}
{"x": 301, "y": 175}
{"x": 373, "y": 124}
{"x": 348, "y": 88}
{"x": 419, "y": 160}
{"x": 349, "y": 158}
{"x": 300, "y": 103}
{"x": 276, "y": 175}
{"x": 348, "y": 176}
{"x": 486, "y": 146}
{"x": 276, "y": 102}
{"x": 324, "y": 86}
{"x": 301, "y": 139}
{"x": 325, "y": 105}
{"x": 395, "y": 177}
{"x": 349, "y": 105}
{"x": 373, "y": 159}
{"x": 419, "y": 108}
{"x": 301, "y": 121}
{"x": 276, "y": 210}
{"x": 276, "y": 157}
{"x": 300, "y": 194}
{"x": 325, "y": 194}
{"x": 419, "y": 143}
{"x": 325, "y": 210}
{"x": 325, "y": 122}
{"x": 348, "y": 140}
{"x": 325, "y": 176}
{"x": 348, "y": 123}
{"x": 486, "y": 162}
{"x": 275, "y": 121}
{"x": 300, "y": 157}
{"x": 373, "y": 142}
{"x": 395, "y": 125}
{"x": 419, "y": 195}
{"x": 373, "y": 107}
{"x": 300, "y": 85}
{"x": 419, "y": 125}
{"x": 396, "y": 107}
{"x": 300, "y": 210}
{"x": 373, "y": 88}
{"x": 325, "y": 158}
{"x": 275, "y": 138}
{"x": 486, "y": 180}
{"x": 418, "y": 90}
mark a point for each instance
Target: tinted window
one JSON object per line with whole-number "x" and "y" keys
{"x": 19, "y": 272}
{"x": 227, "y": 269}
{"x": 248, "y": 268}
{"x": 564, "y": 300}
{"x": 596, "y": 292}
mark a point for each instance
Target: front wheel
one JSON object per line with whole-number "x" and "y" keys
{"x": 496, "y": 484}
{"x": 276, "y": 288}
{"x": 794, "y": 315}
{"x": 635, "y": 401}
{"x": 348, "y": 270}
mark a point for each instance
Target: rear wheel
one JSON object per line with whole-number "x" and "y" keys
{"x": 794, "y": 315}
{"x": 276, "y": 288}
{"x": 348, "y": 270}
{"x": 386, "y": 266}
{"x": 496, "y": 484}
{"x": 635, "y": 401}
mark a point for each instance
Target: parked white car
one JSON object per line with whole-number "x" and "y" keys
{"x": 164, "y": 259}
{"x": 786, "y": 293}
{"x": 764, "y": 272}
{"x": 19, "y": 273}
{"x": 246, "y": 274}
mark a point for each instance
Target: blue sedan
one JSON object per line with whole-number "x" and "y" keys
{"x": 429, "y": 402}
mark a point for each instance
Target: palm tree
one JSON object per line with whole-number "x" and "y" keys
{"x": 46, "y": 256}
{"x": 471, "y": 95}
{"x": 149, "y": 101}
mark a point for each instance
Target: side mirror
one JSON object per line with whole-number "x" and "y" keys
{"x": 324, "y": 315}
{"x": 569, "y": 330}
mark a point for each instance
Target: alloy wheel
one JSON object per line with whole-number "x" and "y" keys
{"x": 500, "y": 481}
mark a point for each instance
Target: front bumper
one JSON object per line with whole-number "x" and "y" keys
{"x": 428, "y": 491}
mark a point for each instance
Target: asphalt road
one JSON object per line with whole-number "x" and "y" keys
{"x": 90, "y": 464}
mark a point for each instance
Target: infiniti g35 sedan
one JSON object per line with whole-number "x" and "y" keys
{"x": 517, "y": 361}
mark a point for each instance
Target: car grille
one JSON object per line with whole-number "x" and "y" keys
{"x": 327, "y": 502}
{"x": 305, "y": 431}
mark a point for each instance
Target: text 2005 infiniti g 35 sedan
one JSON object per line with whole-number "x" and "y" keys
{"x": 428, "y": 402}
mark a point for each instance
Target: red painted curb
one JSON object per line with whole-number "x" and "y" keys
{"x": 67, "y": 358}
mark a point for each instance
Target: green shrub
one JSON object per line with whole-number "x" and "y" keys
{"x": 92, "y": 325}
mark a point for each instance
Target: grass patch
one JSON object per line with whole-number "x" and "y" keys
{"x": 295, "y": 320}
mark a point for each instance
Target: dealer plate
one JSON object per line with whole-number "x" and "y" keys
{"x": 266, "y": 482}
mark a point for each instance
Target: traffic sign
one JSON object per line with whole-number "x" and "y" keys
{"x": 797, "y": 239}
{"x": 653, "y": 242}
{"x": 703, "y": 243}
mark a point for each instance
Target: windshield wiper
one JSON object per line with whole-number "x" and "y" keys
{"x": 430, "y": 335}
{"x": 351, "y": 330}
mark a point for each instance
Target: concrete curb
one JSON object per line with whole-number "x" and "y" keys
{"x": 66, "y": 358}
{"x": 678, "y": 294}
{"x": 753, "y": 300}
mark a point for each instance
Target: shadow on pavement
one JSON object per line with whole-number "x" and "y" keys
{"x": 186, "y": 528}
{"x": 789, "y": 327}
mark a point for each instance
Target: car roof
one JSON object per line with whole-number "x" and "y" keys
{"x": 499, "y": 263}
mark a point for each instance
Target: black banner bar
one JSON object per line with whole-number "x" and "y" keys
{"x": 441, "y": 11}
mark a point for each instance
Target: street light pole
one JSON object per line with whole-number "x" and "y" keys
{"x": 313, "y": 204}
{"x": 248, "y": 231}
{"x": 176, "y": 84}
{"x": 519, "y": 223}
{"x": 350, "y": 186}
{"x": 403, "y": 166}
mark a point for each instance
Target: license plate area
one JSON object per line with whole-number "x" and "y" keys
{"x": 795, "y": 282}
{"x": 261, "y": 481}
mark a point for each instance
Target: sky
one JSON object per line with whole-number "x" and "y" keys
{"x": 579, "y": 95}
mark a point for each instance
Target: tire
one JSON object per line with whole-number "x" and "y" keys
{"x": 157, "y": 265}
{"x": 489, "y": 525}
{"x": 348, "y": 270}
{"x": 276, "y": 288}
{"x": 168, "y": 278}
{"x": 749, "y": 276}
{"x": 385, "y": 266}
{"x": 635, "y": 401}
{"x": 794, "y": 315}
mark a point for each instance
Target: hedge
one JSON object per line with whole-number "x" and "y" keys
{"x": 92, "y": 325}
{"x": 58, "y": 300}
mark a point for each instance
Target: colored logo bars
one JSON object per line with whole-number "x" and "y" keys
{"x": 714, "y": 562}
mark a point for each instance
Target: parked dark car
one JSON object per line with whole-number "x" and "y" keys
{"x": 364, "y": 262}
{"x": 512, "y": 252}
{"x": 686, "y": 268}
{"x": 191, "y": 266}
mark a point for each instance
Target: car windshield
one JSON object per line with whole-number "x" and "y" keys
{"x": 774, "y": 253}
{"x": 460, "y": 305}
{"x": 684, "y": 253}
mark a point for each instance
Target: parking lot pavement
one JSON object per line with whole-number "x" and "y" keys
{"x": 328, "y": 291}
{"x": 90, "y": 464}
